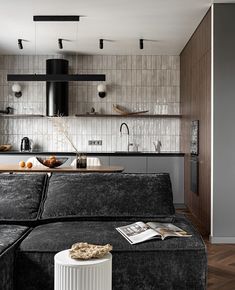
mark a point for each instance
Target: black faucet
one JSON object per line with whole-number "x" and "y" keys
{"x": 128, "y": 134}
{"x": 125, "y": 124}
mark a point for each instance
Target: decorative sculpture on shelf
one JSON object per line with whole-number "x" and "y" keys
{"x": 123, "y": 111}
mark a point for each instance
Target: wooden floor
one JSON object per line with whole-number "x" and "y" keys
{"x": 221, "y": 260}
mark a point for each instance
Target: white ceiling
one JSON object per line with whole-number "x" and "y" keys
{"x": 165, "y": 24}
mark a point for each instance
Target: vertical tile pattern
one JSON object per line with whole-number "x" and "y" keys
{"x": 136, "y": 82}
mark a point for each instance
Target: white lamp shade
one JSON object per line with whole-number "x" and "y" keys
{"x": 16, "y": 88}
{"x": 101, "y": 88}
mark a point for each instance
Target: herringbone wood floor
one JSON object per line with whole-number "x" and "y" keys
{"x": 221, "y": 261}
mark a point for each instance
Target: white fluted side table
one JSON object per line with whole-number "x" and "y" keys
{"x": 71, "y": 274}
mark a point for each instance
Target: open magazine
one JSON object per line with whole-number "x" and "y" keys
{"x": 139, "y": 232}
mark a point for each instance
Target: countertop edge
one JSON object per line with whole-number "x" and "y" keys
{"x": 94, "y": 153}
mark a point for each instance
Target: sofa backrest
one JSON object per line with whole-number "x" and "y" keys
{"x": 21, "y": 196}
{"x": 108, "y": 196}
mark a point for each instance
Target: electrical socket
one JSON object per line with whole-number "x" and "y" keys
{"x": 94, "y": 142}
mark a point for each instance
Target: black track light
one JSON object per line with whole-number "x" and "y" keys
{"x": 60, "y": 43}
{"x": 101, "y": 43}
{"x": 57, "y": 18}
{"x": 141, "y": 43}
{"x": 20, "y": 45}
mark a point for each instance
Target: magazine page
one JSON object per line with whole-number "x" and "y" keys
{"x": 168, "y": 230}
{"x": 137, "y": 232}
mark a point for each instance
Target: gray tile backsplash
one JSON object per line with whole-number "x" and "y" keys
{"x": 133, "y": 81}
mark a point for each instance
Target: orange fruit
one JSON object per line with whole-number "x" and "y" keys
{"x": 29, "y": 164}
{"x": 46, "y": 162}
{"x": 22, "y": 164}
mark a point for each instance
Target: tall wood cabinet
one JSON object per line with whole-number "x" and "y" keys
{"x": 195, "y": 75}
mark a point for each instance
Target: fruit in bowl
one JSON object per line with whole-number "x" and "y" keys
{"x": 52, "y": 161}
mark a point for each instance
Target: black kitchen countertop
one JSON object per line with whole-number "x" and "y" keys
{"x": 117, "y": 153}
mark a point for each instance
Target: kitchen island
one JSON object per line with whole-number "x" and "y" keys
{"x": 11, "y": 168}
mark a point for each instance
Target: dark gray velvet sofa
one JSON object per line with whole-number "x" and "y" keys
{"x": 68, "y": 208}
{"x": 20, "y": 201}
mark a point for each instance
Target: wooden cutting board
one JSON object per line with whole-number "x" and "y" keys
{"x": 5, "y": 147}
{"x": 118, "y": 109}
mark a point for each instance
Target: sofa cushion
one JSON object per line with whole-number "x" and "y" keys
{"x": 154, "y": 264}
{"x": 10, "y": 236}
{"x": 108, "y": 196}
{"x": 54, "y": 237}
{"x": 20, "y": 196}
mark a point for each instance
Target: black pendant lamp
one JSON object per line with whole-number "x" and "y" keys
{"x": 141, "y": 43}
{"x": 55, "y": 77}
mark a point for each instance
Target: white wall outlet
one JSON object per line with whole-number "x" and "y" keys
{"x": 95, "y": 142}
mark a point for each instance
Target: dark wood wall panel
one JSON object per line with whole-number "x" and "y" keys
{"x": 195, "y": 93}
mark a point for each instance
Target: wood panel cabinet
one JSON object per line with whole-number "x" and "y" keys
{"x": 195, "y": 96}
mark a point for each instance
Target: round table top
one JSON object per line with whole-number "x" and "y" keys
{"x": 63, "y": 258}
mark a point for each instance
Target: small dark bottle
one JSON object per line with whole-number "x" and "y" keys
{"x": 81, "y": 161}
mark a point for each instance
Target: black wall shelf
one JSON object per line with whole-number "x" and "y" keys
{"x": 21, "y": 115}
{"x": 126, "y": 116}
{"x": 91, "y": 116}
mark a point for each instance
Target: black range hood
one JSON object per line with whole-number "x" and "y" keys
{"x": 57, "y": 92}
{"x": 57, "y": 89}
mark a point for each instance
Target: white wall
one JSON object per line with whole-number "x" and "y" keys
{"x": 223, "y": 197}
{"x": 135, "y": 82}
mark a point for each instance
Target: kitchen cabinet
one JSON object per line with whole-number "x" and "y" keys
{"x": 132, "y": 164}
{"x": 13, "y": 159}
{"x": 103, "y": 159}
{"x": 175, "y": 167}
